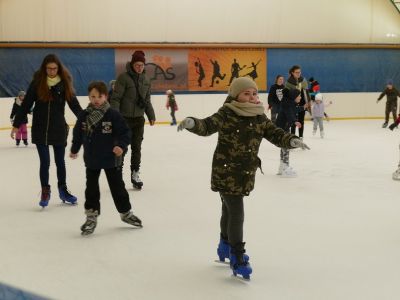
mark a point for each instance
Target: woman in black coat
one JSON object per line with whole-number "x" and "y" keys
{"x": 49, "y": 90}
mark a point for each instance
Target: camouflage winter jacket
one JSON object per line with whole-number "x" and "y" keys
{"x": 235, "y": 160}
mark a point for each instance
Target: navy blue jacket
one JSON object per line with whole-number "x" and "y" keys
{"x": 287, "y": 114}
{"x": 98, "y": 147}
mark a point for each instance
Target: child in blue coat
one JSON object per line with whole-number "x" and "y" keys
{"x": 104, "y": 135}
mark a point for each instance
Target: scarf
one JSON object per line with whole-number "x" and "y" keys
{"x": 53, "y": 81}
{"x": 95, "y": 114}
{"x": 246, "y": 109}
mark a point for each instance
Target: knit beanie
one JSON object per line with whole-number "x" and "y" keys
{"x": 138, "y": 56}
{"x": 319, "y": 97}
{"x": 240, "y": 84}
{"x": 21, "y": 93}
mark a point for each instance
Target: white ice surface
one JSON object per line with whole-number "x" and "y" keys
{"x": 331, "y": 233}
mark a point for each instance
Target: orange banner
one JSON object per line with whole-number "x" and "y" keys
{"x": 214, "y": 69}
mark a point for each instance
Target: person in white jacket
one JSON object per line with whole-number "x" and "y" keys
{"x": 318, "y": 111}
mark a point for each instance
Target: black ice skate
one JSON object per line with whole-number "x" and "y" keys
{"x": 131, "y": 219}
{"x": 136, "y": 181}
{"x": 91, "y": 222}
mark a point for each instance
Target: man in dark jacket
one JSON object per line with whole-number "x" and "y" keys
{"x": 131, "y": 97}
{"x": 391, "y": 103}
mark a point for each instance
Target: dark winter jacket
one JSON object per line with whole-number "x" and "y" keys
{"x": 98, "y": 147}
{"x": 275, "y": 96}
{"x": 48, "y": 118}
{"x": 287, "y": 114}
{"x": 300, "y": 84}
{"x": 171, "y": 102}
{"x": 391, "y": 95}
{"x": 131, "y": 96}
{"x": 235, "y": 160}
{"x": 16, "y": 107}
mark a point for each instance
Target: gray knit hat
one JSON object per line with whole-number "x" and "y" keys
{"x": 21, "y": 93}
{"x": 240, "y": 84}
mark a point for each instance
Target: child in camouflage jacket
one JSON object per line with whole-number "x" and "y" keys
{"x": 241, "y": 125}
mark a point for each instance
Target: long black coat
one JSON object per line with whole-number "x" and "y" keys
{"x": 48, "y": 118}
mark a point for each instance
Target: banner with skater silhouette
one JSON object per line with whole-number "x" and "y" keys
{"x": 167, "y": 69}
{"x": 214, "y": 69}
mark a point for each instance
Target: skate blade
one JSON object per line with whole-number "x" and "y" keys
{"x": 240, "y": 278}
{"x": 222, "y": 262}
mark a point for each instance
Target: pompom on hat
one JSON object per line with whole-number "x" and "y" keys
{"x": 240, "y": 84}
{"x": 138, "y": 56}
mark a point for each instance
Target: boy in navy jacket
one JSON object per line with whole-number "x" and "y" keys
{"x": 104, "y": 135}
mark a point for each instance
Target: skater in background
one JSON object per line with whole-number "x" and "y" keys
{"x": 104, "y": 135}
{"x": 241, "y": 125}
{"x": 172, "y": 105}
{"x": 286, "y": 119}
{"x": 22, "y": 133}
{"x": 111, "y": 91}
{"x": 314, "y": 88}
{"x": 296, "y": 81}
{"x": 318, "y": 113}
{"x": 131, "y": 97}
{"x": 391, "y": 101}
{"x": 49, "y": 91}
{"x": 275, "y": 96}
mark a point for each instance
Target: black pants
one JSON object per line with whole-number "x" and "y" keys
{"x": 117, "y": 187}
{"x": 391, "y": 107}
{"x": 232, "y": 218}
{"x": 136, "y": 125}
{"x": 300, "y": 118}
{"x": 173, "y": 115}
{"x": 44, "y": 156}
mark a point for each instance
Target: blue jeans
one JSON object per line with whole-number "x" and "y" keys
{"x": 44, "y": 155}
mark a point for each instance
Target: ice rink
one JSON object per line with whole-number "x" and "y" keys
{"x": 331, "y": 233}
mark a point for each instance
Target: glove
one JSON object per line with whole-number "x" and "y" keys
{"x": 392, "y": 126}
{"x": 298, "y": 143}
{"x": 187, "y": 123}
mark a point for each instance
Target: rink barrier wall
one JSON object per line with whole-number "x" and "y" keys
{"x": 346, "y": 106}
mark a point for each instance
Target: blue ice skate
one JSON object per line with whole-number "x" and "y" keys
{"x": 224, "y": 250}
{"x": 238, "y": 265}
{"x": 65, "y": 195}
{"x": 45, "y": 196}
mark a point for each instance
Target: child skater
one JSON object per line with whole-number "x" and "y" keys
{"x": 104, "y": 135}
{"x": 171, "y": 104}
{"x": 318, "y": 113}
{"x": 391, "y": 101}
{"x": 287, "y": 117}
{"x": 241, "y": 124}
{"x": 22, "y": 133}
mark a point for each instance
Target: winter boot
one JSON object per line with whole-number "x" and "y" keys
{"x": 237, "y": 262}
{"x": 26, "y": 142}
{"x": 224, "y": 250}
{"x": 384, "y": 125}
{"x": 130, "y": 218}
{"x": 91, "y": 222}
{"x": 17, "y": 141}
{"x": 65, "y": 195}
{"x": 322, "y": 134}
{"x": 45, "y": 196}
{"x": 136, "y": 181}
{"x": 288, "y": 171}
